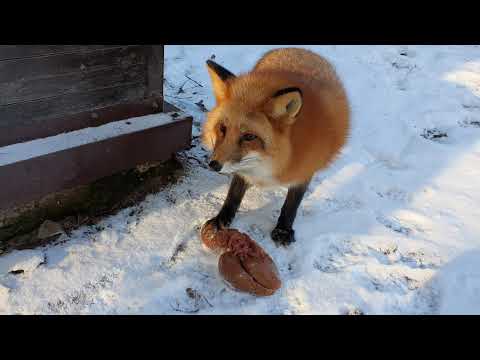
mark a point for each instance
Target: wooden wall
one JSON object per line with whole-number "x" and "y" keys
{"x": 46, "y": 90}
{"x": 49, "y": 89}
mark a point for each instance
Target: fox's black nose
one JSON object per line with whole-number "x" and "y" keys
{"x": 215, "y": 165}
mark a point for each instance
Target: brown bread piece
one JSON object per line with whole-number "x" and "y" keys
{"x": 243, "y": 264}
{"x": 231, "y": 268}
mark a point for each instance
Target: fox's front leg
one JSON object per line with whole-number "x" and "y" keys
{"x": 283, "y": 234}
{"x": 237, "y": 190}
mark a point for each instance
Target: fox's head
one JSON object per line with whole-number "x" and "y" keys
{"x": 248, "y": 129}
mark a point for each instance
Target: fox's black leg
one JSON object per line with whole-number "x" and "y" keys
{"x": 237, "y": 190}
{"x": 283, "y": 234}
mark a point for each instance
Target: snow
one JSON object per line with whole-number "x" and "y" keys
{"x": 391, "y": 228}
{"x": 39, "y": 147}
{"x": 27, "y": 261}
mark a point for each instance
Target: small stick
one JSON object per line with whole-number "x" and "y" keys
{"x": 196, "y": 82}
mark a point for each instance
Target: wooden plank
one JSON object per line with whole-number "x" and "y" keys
{"x": 25, "y": 132}
{"x": 42, "y": 88}
{"x": 9, "y": 52}
{"x": 155, "y": 71}
{"x": 34, "y": 113}
{"x": 48, "y": 66}
{"x": 43, "y": 175}
{"x": 91, "y": 97}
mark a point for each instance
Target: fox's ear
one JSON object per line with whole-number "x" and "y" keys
{"x": 285, "y": 104}
{"x": 219, "y": 76}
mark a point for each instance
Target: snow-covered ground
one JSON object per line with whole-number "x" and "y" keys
{"x": 391, "y": 228}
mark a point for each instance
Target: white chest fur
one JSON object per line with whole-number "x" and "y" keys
{"x": 260, "y": 175}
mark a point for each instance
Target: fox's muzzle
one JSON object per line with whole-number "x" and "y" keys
{"x": 215, "y": 165}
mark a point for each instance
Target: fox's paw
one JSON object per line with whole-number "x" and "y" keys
{"x": 283, "y": 237}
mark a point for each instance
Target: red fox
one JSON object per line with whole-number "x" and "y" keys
{"x": 275, "y": 126}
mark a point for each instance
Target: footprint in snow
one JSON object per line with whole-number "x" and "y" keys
{"x": 394, "y": 225}
{"x": 435, "y": 135}
{"x": 422, "y": 260}
{"x": 393, "y": 194}
{"x": 471, "y": 105}
{"x": 470, "y": 122}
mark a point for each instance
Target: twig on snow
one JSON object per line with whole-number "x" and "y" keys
{"x": 196, "y": 82}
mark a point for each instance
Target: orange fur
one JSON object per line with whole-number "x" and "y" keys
{"x": 291, "y": 148}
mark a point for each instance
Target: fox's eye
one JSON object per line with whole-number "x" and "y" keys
{"x": 248, "y": 137}
{"x": 223, "y": 129}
